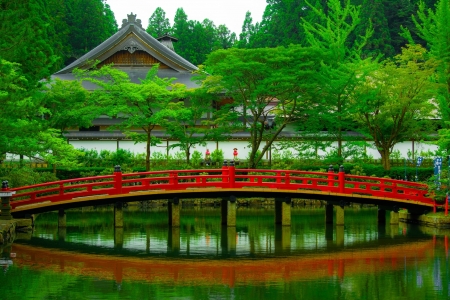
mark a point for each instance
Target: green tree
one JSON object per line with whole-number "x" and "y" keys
{"x": 192, "y": 122}
{"x": 23, "y": 131}
{"x": 25, "y": 31}
{"x": 396, "y": 100}
{"x": 248, "y": 30}
{"x": 137, "y": 104}
{"x": 380, "y": 43}
{"x": 91, "y": 22}
{"x": 264, "y": 84}
{"x": 68, "y": 105}
{"x": 432, "y": 26}
{"x": 225, "y": 39}
{"x": 158, "y": 24}
{"x": 342, "y": 65}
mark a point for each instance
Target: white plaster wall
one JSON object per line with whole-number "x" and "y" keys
{"x": 227, "y": 147}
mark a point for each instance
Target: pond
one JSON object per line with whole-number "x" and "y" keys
{"x": 203, "y": 260}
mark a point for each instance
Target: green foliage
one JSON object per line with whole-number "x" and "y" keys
{"x": 22, "y": 176}
{"x": 158, "y": 24}
{"x": 217, "y": 156}
{"x": 196, "y": 159}
{"x": 256, "y": 79}
{"x": 432, "y": 26}
{"x": 393, "y": 104}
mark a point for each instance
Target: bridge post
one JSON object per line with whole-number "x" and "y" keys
{"x": 394, "y": 218}
{"x": 62, "y": 219}
{"x": 381, "y": 215}
{"x": 118, "y": 238}
{"x": 228, "y": 211}
{"x": 328, "y": 213}
{"x": 231, "y": 174}
{"x": 330, "y": 175}
{"x": 118, "y": 179}
{"x": 228, "y": 239}
{"x": 118, "y": 214}
{"x": 283, "y": 211}
{"x": 173, "y": 240}
{"x": 341, "y": 176}
{"x": 282, "y": 239}
{"x": 340, "y": 236}
{"x": 340, "y": 214}
{"x": 225, "y": 178}
{"x": 62, "y": 233}
{"x": 174, "y": 212}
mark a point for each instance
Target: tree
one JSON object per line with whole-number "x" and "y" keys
{"x": 136, "y": 104}
{"x": 380, "y": 43}
{"x": 432, "y": 26}
{"x": 269, "y": 88}
{"x": 395, "y": 101}
{"x": 342, "y": 64}
{"x": 22, "y": 129}
{"x": 68, "y": 105}
{"x": 24, "y": 38}
{"x": 225, "y": 39}
{"x": 91, "y": 22}
{"x": 191, "y": 122}
{"x": 248, "y": 30}
{"x": 158, "y": 24}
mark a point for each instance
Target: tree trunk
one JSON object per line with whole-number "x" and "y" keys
{"x": 188, "y": 155}
{"x": 385, "y": 153}
{"x": 147, "y": 155}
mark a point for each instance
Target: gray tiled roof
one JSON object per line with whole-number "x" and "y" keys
{"x": 132, "y": 32}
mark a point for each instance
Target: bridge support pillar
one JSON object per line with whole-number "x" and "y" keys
{"x": 174, "y": 212}
{"x": 62, "y": 232}
{"x": 228, "y": 211}
{"x": 340, "y": 236}
{"x": 283, "y": 211}
{"x": 381, "y": 215}
{"x": 282, "y": 239}
{"x": 173, "y": 240}
{"x": 118, "y": 214}
{"x": 62, "y": 219}
{"x": 228, "y": 239}
{"x": 118, "y": 237}
{"x": 339, "y": 215}
{"x": 328, "y": 213}
{"x": 394, "y": 218}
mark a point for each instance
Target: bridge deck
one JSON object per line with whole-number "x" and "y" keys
{"x": 217, "y": 183}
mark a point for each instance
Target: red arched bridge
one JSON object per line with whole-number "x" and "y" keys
{"x": 339, "y": 188}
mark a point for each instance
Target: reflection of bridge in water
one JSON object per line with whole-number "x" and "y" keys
{"x": 225, "y": 271}
{"x": 228, "y": 183}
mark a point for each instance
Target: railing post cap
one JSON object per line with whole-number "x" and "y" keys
{"x": 331, "y": 168}
{"x": 232, "y": 163}
{"x": 117, "y": 169}
{"x": 225, "y": 163}
{"x": 341, "y": 168}
{"x": 5, "y": 184}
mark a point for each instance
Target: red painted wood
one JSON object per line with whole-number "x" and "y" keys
{"x": 226, "y": 177}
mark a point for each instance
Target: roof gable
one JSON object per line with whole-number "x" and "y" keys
{"x": 137, "y": 42}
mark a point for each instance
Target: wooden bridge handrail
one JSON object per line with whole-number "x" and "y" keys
{"x": 226, "y": 177}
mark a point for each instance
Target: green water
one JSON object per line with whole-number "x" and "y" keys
{"x": 203, "y": 260}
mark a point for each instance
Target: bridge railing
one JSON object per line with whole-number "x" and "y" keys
{"x": 227, "y": 177}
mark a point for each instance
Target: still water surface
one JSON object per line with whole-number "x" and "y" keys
{"x": 202, "y": 260}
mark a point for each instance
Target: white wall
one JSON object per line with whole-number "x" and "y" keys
{"x": 227, "y": 147}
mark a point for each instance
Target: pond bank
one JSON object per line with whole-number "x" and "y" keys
{"x": 438, "y": 220}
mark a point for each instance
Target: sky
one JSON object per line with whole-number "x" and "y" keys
{"x": 228, "y": 12}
